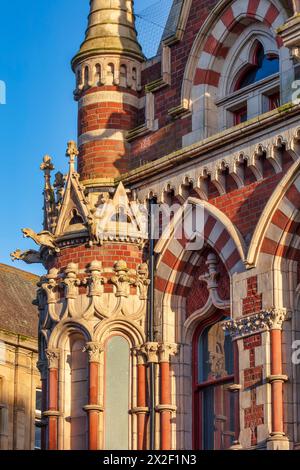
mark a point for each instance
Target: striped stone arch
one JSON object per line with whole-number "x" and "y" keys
{"x": 277, "y": 233}
{"x": 209, "y": 56}
{"x": 234, "y": 19}
{"x": 176, "y": 262}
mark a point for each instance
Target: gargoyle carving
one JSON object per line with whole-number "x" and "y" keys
{"x": 29, "y": 256}
{"x": 43, "y": 238}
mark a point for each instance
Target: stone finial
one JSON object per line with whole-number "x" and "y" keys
{"x": 47, "y": 165}
{"x": 72, "y": 152}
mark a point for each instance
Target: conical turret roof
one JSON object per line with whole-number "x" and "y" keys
{"x": 111, "y": 30}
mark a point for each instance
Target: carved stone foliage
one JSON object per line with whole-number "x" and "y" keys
{"x": 53, "y": 358}
{"x": 96, "y": 281}
{"x": 123, "y": 279}
{"x": 269, "y": 319}
{"x": 82, "y": 295}
{"x": 71, "y": 282}
{"x": 94, "y": 351}
{"x": 210, "y": 286}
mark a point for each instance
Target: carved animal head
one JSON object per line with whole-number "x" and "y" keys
{"x": 16, "y": 255}
{"x": 27, "y": 232}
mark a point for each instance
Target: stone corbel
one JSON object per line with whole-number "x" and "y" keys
{"x": 123, "y": 280}
{"x": 49, "y": 286}
{"x": 211, "y": 279}
{"x": 96, "y": 281}
{"x": 71, "y": 282}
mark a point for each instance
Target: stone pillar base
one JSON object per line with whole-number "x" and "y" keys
{"x": 236, "y": 445}
{"x": 278, "y": 442}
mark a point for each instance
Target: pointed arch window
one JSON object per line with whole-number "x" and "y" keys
{"x": 262, "y": 66}
{"x": 250, "y": 83}
{"x": 214, "y": 403}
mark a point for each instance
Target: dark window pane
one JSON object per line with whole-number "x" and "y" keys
{"x": 217, "y": 418}
{"x": 264, "y": 67}
{"x": 38, "y": 400}
{"x": 38, "y": 438}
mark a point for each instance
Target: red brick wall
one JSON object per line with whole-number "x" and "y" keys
{"x": 106, "y": 156}
{"x": 108, "y": 254}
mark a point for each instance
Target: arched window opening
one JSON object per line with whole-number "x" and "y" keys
{"x": 117, "y": 396}
{"x": 214, "y": 410}
{"x": 76, "y": 218}
{"x": 86, "y": 76}
{"x": 121, "y": 216}
{"x": 79, "y": 77}
{"x": 110, "y": 74}
{"x": 263, "y": 66}
{"x": 250, "y": 81}
{"x": 123, "y": 76}
{"x": 76, "y": 394}
{"x": 98, "y": 75}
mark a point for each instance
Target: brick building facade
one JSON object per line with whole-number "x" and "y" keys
{"x": 199, "y": 355}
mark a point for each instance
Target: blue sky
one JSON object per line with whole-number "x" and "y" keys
{"x": 38, "y": 40}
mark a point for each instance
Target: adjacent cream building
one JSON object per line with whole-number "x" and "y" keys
{"x": 20, "y": 396}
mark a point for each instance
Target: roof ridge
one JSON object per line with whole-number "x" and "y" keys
{"x": 12, "y": 269}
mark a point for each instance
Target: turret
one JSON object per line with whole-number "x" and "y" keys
{"x": 108, "y": 76}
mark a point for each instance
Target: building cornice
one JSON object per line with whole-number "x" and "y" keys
{"x": 210, "y": 144}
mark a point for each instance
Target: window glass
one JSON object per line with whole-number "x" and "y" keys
{"x": 214, "y": 402}
{"x": 264, "y": 66}
{"x": 215, "y": 354}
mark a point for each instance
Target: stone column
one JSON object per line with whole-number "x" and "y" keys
{"x": 165, "y": 407}
{"x": 52, "y": 414}
{"x": 277, "y": 439}
{"x": 142, "y": 408}
{"x": 43, "y": 368}
{"x": 93, "y": 408}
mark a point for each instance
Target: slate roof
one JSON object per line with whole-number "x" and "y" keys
{"x": 172, "y": 22}
{"x": 17, "y": 291}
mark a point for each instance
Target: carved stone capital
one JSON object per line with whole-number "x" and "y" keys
{"x": 151, "y": 350}
{"x": 277, "y": 316}
{"x": 53, "y": 356}
{"x": 94, "y": 351}
{"x": 269, "y": 319}
{"x": 140, "y": 354}
{"x": 166, "y": 350}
